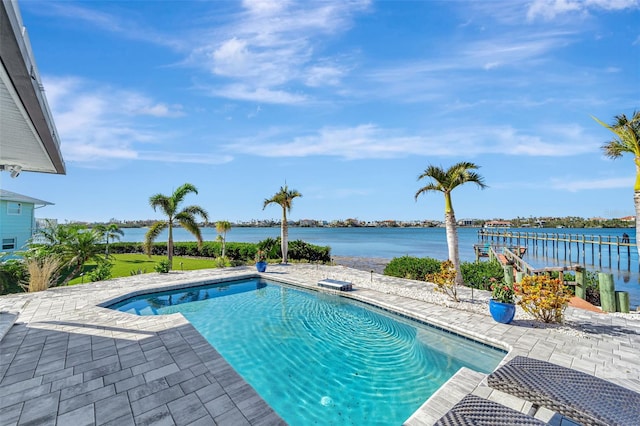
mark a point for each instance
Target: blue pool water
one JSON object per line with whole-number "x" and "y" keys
{"x": 318, "y": 358}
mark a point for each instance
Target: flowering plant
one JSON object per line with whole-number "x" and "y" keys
{"x": 261, "y": 256}
{"x": 544, "y": 297}
{"x": 502, "y": 292}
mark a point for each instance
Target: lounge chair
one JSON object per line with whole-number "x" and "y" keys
{"x": 582, "y": 397}
{"x": 475, "y": 411}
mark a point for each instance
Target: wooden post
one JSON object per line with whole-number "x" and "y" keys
{"x": 599, "y": 250}
{"x": 584, "y": 249}
{"x": 508, "y": 274}
{"x": 622, "y": 301}
{"x": 607, "y": 292}
{"x": 581, "y": 289}
{"x": 519, "y": 276}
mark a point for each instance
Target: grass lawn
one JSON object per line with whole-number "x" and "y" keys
{"x": 124, "y": 264}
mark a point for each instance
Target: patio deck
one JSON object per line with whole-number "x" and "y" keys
{"x": 67, "y": 360}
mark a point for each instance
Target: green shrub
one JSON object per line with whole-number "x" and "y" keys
{"x": 162, "y": 266}
{"x": 478, "y": 275}
{"x": 101, "y": 272}
{"x": 12, "y": 273}
{"x": 300, "y": 250}
{"x": 413, "y": 268}
{"x": 221, "y": 262}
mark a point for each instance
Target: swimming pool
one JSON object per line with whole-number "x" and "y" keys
{"x": 319, "y": 358}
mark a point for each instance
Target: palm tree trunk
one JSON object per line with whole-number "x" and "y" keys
{"x": 170, "y": 246}
{"x": 224, "y": 240}
{"x": 284, "y": 235}
{"x": 452, "y": 243}
{"x": 636, "y": 202}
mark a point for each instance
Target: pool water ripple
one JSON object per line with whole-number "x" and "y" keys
{"x": 322, "y": 359}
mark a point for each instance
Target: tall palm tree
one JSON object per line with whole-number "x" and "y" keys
{"x": 222, "y": 227}
{"x": 185, "y": 217}
{"x": 284, "y": 197}
{"x": 626, "y": 139}
{"x": 110, "y": 232}
{"x": 446, "y": 181}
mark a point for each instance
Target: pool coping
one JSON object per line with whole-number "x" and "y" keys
{"x": 607, "y": 350}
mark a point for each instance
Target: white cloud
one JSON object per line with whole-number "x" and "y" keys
{"x": 370, "y": 141}
{"x": 550, "y": 9}
{"x": 581, "y": 185}
{"x": 258, "y": 94}
{"x": 98, "y": 123}
{"x": 124, "y": 26}
{"x": 272, "y": 46}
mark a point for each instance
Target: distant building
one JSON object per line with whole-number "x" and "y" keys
{"x": 628, "y": 219}
{"x": 17, "y": 219}
{"x": 497, "y": 224}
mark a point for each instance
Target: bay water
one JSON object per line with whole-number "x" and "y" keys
{"x": 387, "y": 243}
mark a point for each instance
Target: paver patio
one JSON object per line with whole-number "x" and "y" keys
{"x": 69, "y": 361}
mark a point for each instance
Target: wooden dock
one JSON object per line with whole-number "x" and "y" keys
{"x": 564, "y": 246}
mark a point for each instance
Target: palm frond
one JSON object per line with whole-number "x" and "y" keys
{"x": 163, "y": 202}
{"x": 191, "y": 225}
{"x": 196, "y": 211}
{"x": 179, "y": 194}
{"x": 152, "y": 234}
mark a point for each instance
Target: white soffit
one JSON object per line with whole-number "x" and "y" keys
{"x": 19, "y": 142}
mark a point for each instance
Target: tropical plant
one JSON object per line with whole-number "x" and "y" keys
{"x": 261, "y": 255}
{"x": 502, "y": 291}
{"x": 74, "y": 245}
{"x": 543, "y": 297}
{"x": 222, "y": 227}
{"x": 110, "y": 232}
{"x": 186, "y": 218}
{"x": 101, "y": 272}
{"x": 445, "y": 280}
{"x": 163, "y": 266}
{"x": 284, "y": 198}
{"x": 626, "y": 140}
{"x": 446, "y": 181}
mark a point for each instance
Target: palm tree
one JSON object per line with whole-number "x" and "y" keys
{"x": 81, "y": 248}
{"x": 222, "y": 227}
{"x": 111, "y": 231}
{"x": 73, "y": 244}
{"x": 626, "y": 139}
{"x": 185, "y": 217}
{"x": 284, "y": 197}
{"x": 446, "y": 181}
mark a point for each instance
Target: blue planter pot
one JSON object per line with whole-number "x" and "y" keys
{"x": 261, "y": 266}
{"x": 502, "y": 312}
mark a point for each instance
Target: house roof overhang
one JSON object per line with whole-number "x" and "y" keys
{"x": 28, "y": 137}
{"x": 19, "y": 198}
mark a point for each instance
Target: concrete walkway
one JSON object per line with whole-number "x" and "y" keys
{"x": 69, "y": 361}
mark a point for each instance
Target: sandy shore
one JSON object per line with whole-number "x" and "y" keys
{"x": 375, "y": 264}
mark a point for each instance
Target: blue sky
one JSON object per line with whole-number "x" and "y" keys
{"x": 345, "y": 101}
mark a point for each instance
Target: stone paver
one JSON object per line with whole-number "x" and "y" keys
{"x": 70, "y": 360}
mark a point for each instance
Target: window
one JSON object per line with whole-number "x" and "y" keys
{"x": 9, "y": 243}
{"x": 14, "y": 208}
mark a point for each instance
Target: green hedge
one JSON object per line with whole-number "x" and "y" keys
{"x": 413, "y": 268}
{"x": 245, "y": 252}
{"x": 478, "y": 275}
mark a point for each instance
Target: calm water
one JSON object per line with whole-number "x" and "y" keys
{"x": 319, "y": 358}
{"x": 421, "y": 242}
